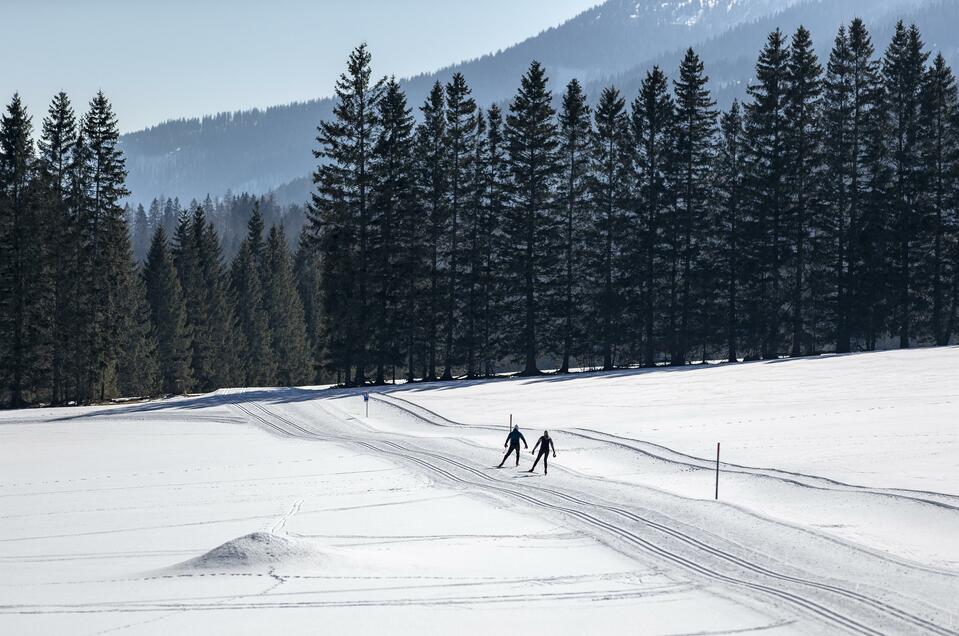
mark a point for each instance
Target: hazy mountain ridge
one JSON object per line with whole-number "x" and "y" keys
{"x": 616, "y": 42}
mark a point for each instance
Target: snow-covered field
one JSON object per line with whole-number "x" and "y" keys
{"x": 291, "y": 511}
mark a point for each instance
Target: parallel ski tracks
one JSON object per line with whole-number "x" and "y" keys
{"x": 286, "y": 427}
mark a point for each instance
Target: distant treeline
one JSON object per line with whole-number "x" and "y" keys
{"x": 819, "y": 215}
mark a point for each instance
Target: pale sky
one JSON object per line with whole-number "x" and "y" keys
{"x": 163, "y": 59}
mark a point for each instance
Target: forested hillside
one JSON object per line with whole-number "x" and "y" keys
{"x": 616, "y": 42}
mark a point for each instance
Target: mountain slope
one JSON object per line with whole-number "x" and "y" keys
{"x": 259, "y": 150}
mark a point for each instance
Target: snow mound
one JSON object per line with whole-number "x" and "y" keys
{"x": 258, "y": 550}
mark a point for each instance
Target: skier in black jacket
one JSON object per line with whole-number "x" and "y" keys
{"x": 513, "y": 440}
{"x": 543, "y": 443}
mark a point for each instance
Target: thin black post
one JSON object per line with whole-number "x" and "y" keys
{"x": 717, "y": 471}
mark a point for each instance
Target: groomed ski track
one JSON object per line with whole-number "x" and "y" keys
{"x": 735, "y": 553}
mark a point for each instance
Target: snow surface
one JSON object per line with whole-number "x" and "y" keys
{"x": 291, "y": 511}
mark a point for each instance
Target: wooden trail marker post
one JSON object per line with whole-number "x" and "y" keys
{"x": 717, "y": 471}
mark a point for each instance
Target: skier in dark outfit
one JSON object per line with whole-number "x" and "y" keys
{"x": 543, "y": 443}
{"x": 513, "y": 440}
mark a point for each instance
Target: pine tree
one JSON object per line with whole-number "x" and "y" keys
{"x": 652, "y": 121}
{"x": 141, "y": 234}
{"x": 341, "y": 214}
{"x": 903, "y": 71}
{"x": 572, "y": 192}
{"x": 431, "y": 171}
{"x": 285, "y": 314}
{"x": 802, "y": 110}
{"x": 940, "y": 156}
{"x": 530, "y": 224}
{"x": 609, "y": 190}
{"x": 168, "y": 314}
{"x": 695, "y": 130}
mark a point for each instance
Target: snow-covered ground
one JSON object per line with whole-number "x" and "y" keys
{"x": 291, "y": 511}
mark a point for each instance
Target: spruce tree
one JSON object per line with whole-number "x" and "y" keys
{"x": 56, "y": 150}
{"x": 102, "y": 230}
{"x": 341, "y": 214}
{"x": 394, "y": 199}
{"x": 729, "y": 182}
{"x": 766, "y": 137}
{"x": 804, "y": 161}
{"x": 306, "y": 272}
{"x": 851, "y": 103}
{"x": 695, "y": 130}
{"x": 285, "y": 314}
{"x": 903, "y": 72}
{"x": 138, "y": 372}
{"x": 432, "y": 179}
{"x": 257, "y": 362}
{"x": 530, "y": 223}
{"x": 168, "y": 313}
{"x": 460, "y": 142}
{"x": 609, "y": 181}
{"x": 473, "y": 263}
{"x": 491, "y": 243}
{"x": 652, "y": 120}
{"x": 939, "y": 140}
{"x": 572, "y": 195}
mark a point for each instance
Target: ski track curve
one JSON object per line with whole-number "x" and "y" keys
{"x": 832, "y": 603}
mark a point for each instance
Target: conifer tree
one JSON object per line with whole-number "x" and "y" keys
{"x": 56, "y": 149}
{"x": 460, "y": 142}
{"x": 572, "y": 196}
{"x": 393, "y": 195}
{"x": 20, "y": 254}
{"x": 168, "y": 313}
{"x": 257, "y": 361}
{"x": 341, "y": 214}
{"x": 652, "y": 120}
{"x": 530, "y": 227}
{"x": 285, "y": 314}
{"x": 138, "y": 372}
{"x": 729, "y": 182}
{"x": 431, "y": 172}
{"x": 903, "y": 72}
{"x": 939, "y": 113}
{"x": 804, "y": 87}
{"x": 306, "y": 272}
{"x": 102, "y": 230}
{"x": 473, "y": 274}
{"x": 850, "y": 121}
{"x": 695, "y": 130}
{"x": 491, "y": 243}
{"x": 609, "y": 183}
{"x": 766, "y": 140}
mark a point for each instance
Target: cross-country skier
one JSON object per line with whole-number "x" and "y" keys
{"x": 513, "y": 440}
{"x": 543, "y": 443}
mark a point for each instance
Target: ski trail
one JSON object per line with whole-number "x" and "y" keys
{"x": 852, "y": 606}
